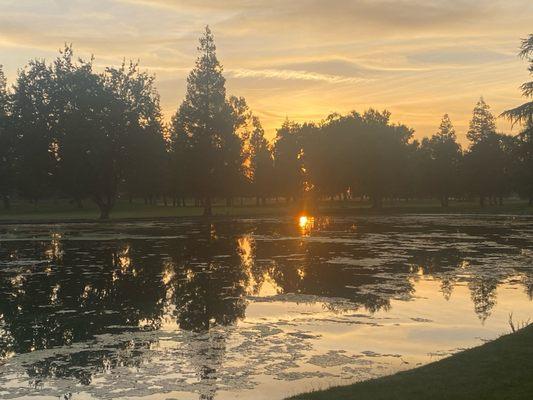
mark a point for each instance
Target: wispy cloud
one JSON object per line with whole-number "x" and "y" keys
{"x": 287, "y": 74}
{"x": 300, "y": 58}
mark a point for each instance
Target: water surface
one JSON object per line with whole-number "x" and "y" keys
{"x": 250, "y": 308}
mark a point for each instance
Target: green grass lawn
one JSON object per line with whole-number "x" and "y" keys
{"x": 498, "y": 370}
{"x": 63, "y": 210}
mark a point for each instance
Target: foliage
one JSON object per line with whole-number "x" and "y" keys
{"x": 69, "y": 131}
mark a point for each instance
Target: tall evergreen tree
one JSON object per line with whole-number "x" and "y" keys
{"x": 482, "y": 123}
{"x": 205, "y": 125}
{"x": 445, "y": 155}
{"x": 483, "y": 160}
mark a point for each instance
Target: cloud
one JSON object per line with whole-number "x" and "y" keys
{"x": 290, "y": 74}
{"x": 299, "y": 58}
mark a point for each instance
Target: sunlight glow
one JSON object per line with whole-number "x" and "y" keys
{"x": 306, "y": 224}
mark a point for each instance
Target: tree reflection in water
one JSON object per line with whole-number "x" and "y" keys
{"x": 65, "y": 285}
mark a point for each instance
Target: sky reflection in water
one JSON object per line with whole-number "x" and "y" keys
{"x": 251, "y": 307}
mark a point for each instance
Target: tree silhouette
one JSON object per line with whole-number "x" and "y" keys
{"x": 261, "y": 163}
{"x": 205, "y": 126}
{"x": 524, "y": 114}
{"x": 444, "y": 160}
{"x": 33, "y": 122}
{"x": 7, "y": 143}
{"x": 288, "y": 163}
{"x": 69, "y": 131}
{"x": 384, "y": 156}
{"x": 483, "y": 160}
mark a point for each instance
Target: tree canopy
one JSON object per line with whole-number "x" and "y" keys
{"x": 67, "y": 130}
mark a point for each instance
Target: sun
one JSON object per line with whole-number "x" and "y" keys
{"x": 303, "y": 221}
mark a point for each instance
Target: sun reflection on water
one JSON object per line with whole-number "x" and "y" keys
{"x": 306, "y": 224}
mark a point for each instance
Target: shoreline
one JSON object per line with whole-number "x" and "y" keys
{"x": 138, "y": 213}
{"x": 498, "y": 369}
{"x": 124, "y": 212}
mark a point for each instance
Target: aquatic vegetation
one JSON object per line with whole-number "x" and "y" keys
{"x": 232, "y": 306}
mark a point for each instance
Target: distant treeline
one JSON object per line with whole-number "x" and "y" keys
{"x": 66, "y": 130}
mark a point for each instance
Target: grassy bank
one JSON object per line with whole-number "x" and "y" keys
{"x": 502, "y": 369}
{"x": 64, "y": 210}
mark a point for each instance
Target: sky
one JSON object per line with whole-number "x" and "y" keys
{"x": 299, "y": 59}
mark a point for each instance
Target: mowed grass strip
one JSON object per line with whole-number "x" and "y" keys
{"x": 498, "y": 370}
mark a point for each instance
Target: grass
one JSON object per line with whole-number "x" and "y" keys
{"x": 498, "y": 370}
{"x": 62, "y": 210}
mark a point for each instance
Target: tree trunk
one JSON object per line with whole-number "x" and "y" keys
{"x": 6, "y": 201}
{"x": 105, "y": 206}
{"x": 482, "y": 201}
{"x": 207, "y": 207}
{"x": 104, "y": 212}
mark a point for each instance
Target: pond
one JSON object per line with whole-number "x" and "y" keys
{"x": 250, "y": 308}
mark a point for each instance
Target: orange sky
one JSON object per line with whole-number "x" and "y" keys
{"x": 300, "y": 59}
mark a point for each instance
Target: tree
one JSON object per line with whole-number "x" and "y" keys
{"x": 483, "y": 161}
{"x": 482, "y": 123}
{"x": 33, "y": 124}
{"x": 384, "y": 156}
{"x": 523, "y": 114}
{"x": 330, "y": 153}
{"x": 7, "y": 142}
{"x": 288, "y": 162}
{"x": 235, "y": 154}
{"x": 444, "y": 159}
{"x": 523, "y": 163}
{"x": 261, "y": 163}
{"x": 205, "y": 125}
{"x": 105, "y": 126}
{"x": 145, "y": 156}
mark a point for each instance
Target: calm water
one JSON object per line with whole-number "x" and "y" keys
{"x": 250, "y": 308}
